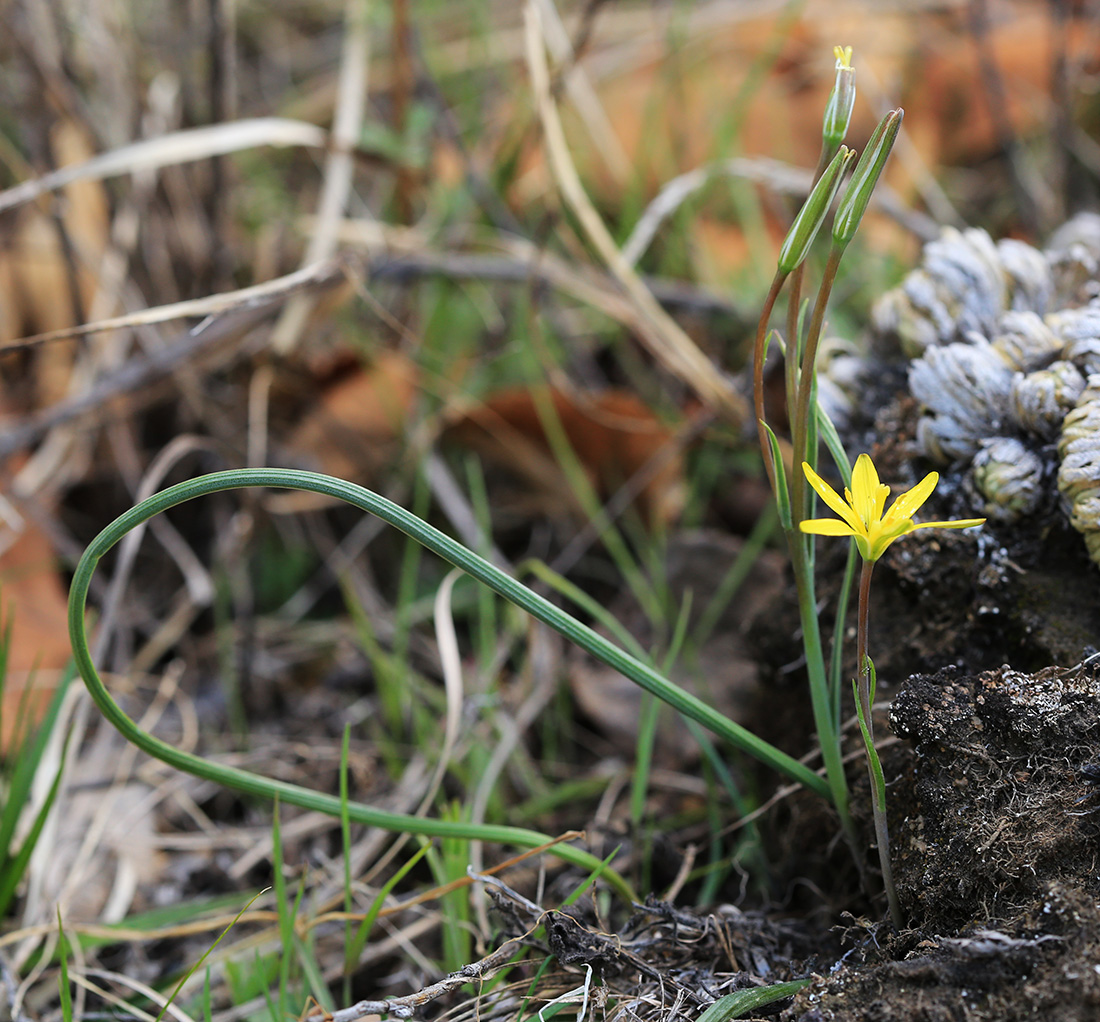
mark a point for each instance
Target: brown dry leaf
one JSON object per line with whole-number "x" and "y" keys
{"x": 613, "y": 434}
{"x": 33, "y": 601}
{"x": 353, "y": 430}
{"x": 948, "y": 110}
{"x": 723, "y": 671}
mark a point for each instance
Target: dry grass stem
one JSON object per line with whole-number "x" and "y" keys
{"x": 351, "y": 99}
{"x": 172, "y": 150}
{"x": 326, "y": 273}
{"x": 662, "y": 335}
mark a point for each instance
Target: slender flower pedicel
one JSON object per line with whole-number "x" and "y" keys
{"x": 864, "y": 517}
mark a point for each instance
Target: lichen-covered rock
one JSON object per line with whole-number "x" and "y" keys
{"x": 1040, "y": 400}
{"x": 1079, "y": 471}
{"x": 1074, "y": 259}
{"x": 1024, "y": 340}
{"x": 1008, "y": 478}
{"x": 1079, "y": 331}
{"x": 965, "y": 284}
{"x": 1002, "y": 338}
{"x": 965, "y": 389}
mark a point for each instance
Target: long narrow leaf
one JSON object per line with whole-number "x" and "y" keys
{"x": 14, "y": 867}
{"x": 740, "y": 1002}
{"x": 782, "y": 496}
{"x": 28, "y": 758}
{"x": 458, "y": 555}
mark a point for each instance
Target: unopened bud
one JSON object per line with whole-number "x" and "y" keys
{"x": 838, "y": 110}
{"x": 812, "y": 215}
{"x": 865, "y": 177}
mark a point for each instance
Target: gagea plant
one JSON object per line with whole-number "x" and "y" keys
{"x": 862, "y": 513}
{"x": 862, "y": 517}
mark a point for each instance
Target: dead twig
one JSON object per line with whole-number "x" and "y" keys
{"x": 170, "y": 150}
{"x": 405, "y": 1007}
{"x": 137, "y": 373}
{"x": 339, "y": 166}
{"x": 326, "y": 273}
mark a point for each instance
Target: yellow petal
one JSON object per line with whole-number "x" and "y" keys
{"x": 830, "y": 496}
{"x": 881, "y": 494}
{"x": 910, "y": 501}
{"x": 961, "y": 523}
{"x": 827, "y": 527}
{"x": 865, "y": 489}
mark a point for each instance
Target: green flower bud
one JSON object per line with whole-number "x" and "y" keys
{"x": 813, "y": 212}
{"x": 838, "y": 110}
{"x": 865, "y": 177}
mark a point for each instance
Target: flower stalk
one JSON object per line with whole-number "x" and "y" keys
{"x": 864, "y": 692}
{"x": 864, "y": 517}
{"x": 833, "y": 166}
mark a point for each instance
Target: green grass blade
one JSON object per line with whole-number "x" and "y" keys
{"x": 207, "y": 1004}
{"x": 648, "y": 718}
{"x": 592, "y": 607}
{"x": 27, "y": 760}
{"x": 345, "y": 841}
{"x": 741, "y": 1002}
{"x": 313, "y": 974}
{"x": 198, "y": 965}
{"x": 578, "y": 892}
{"x": 355, "y": 949}
{"x": 738, "y": 571}
{"x": 15, "y": 866}
{"x": 63, "y": 980}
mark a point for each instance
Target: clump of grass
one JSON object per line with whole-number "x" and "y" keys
{"x": 25, "y": 757}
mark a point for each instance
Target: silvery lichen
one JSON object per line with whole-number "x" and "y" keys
{"x": 1074, "y": 258}
{"x": 1024, "y": 340}
{"x": 1007, "y": 478}
{"x": 1079, "y": 471}
{"x": 964, "y": 387}
{"x": 840, "y": 379}
{"x": 964, "y": 285}
{"x": 1079, "y": 330}
{"x": 1003, "y": 337}
{"x": 1041, "y": 399}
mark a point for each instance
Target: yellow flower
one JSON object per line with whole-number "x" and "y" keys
{"x": 863, "y": 513}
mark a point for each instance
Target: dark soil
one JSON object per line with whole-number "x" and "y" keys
{"x": 996, "y": 821}
{"x": 993, "y": 776}
{"x": 995, "y": 817}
